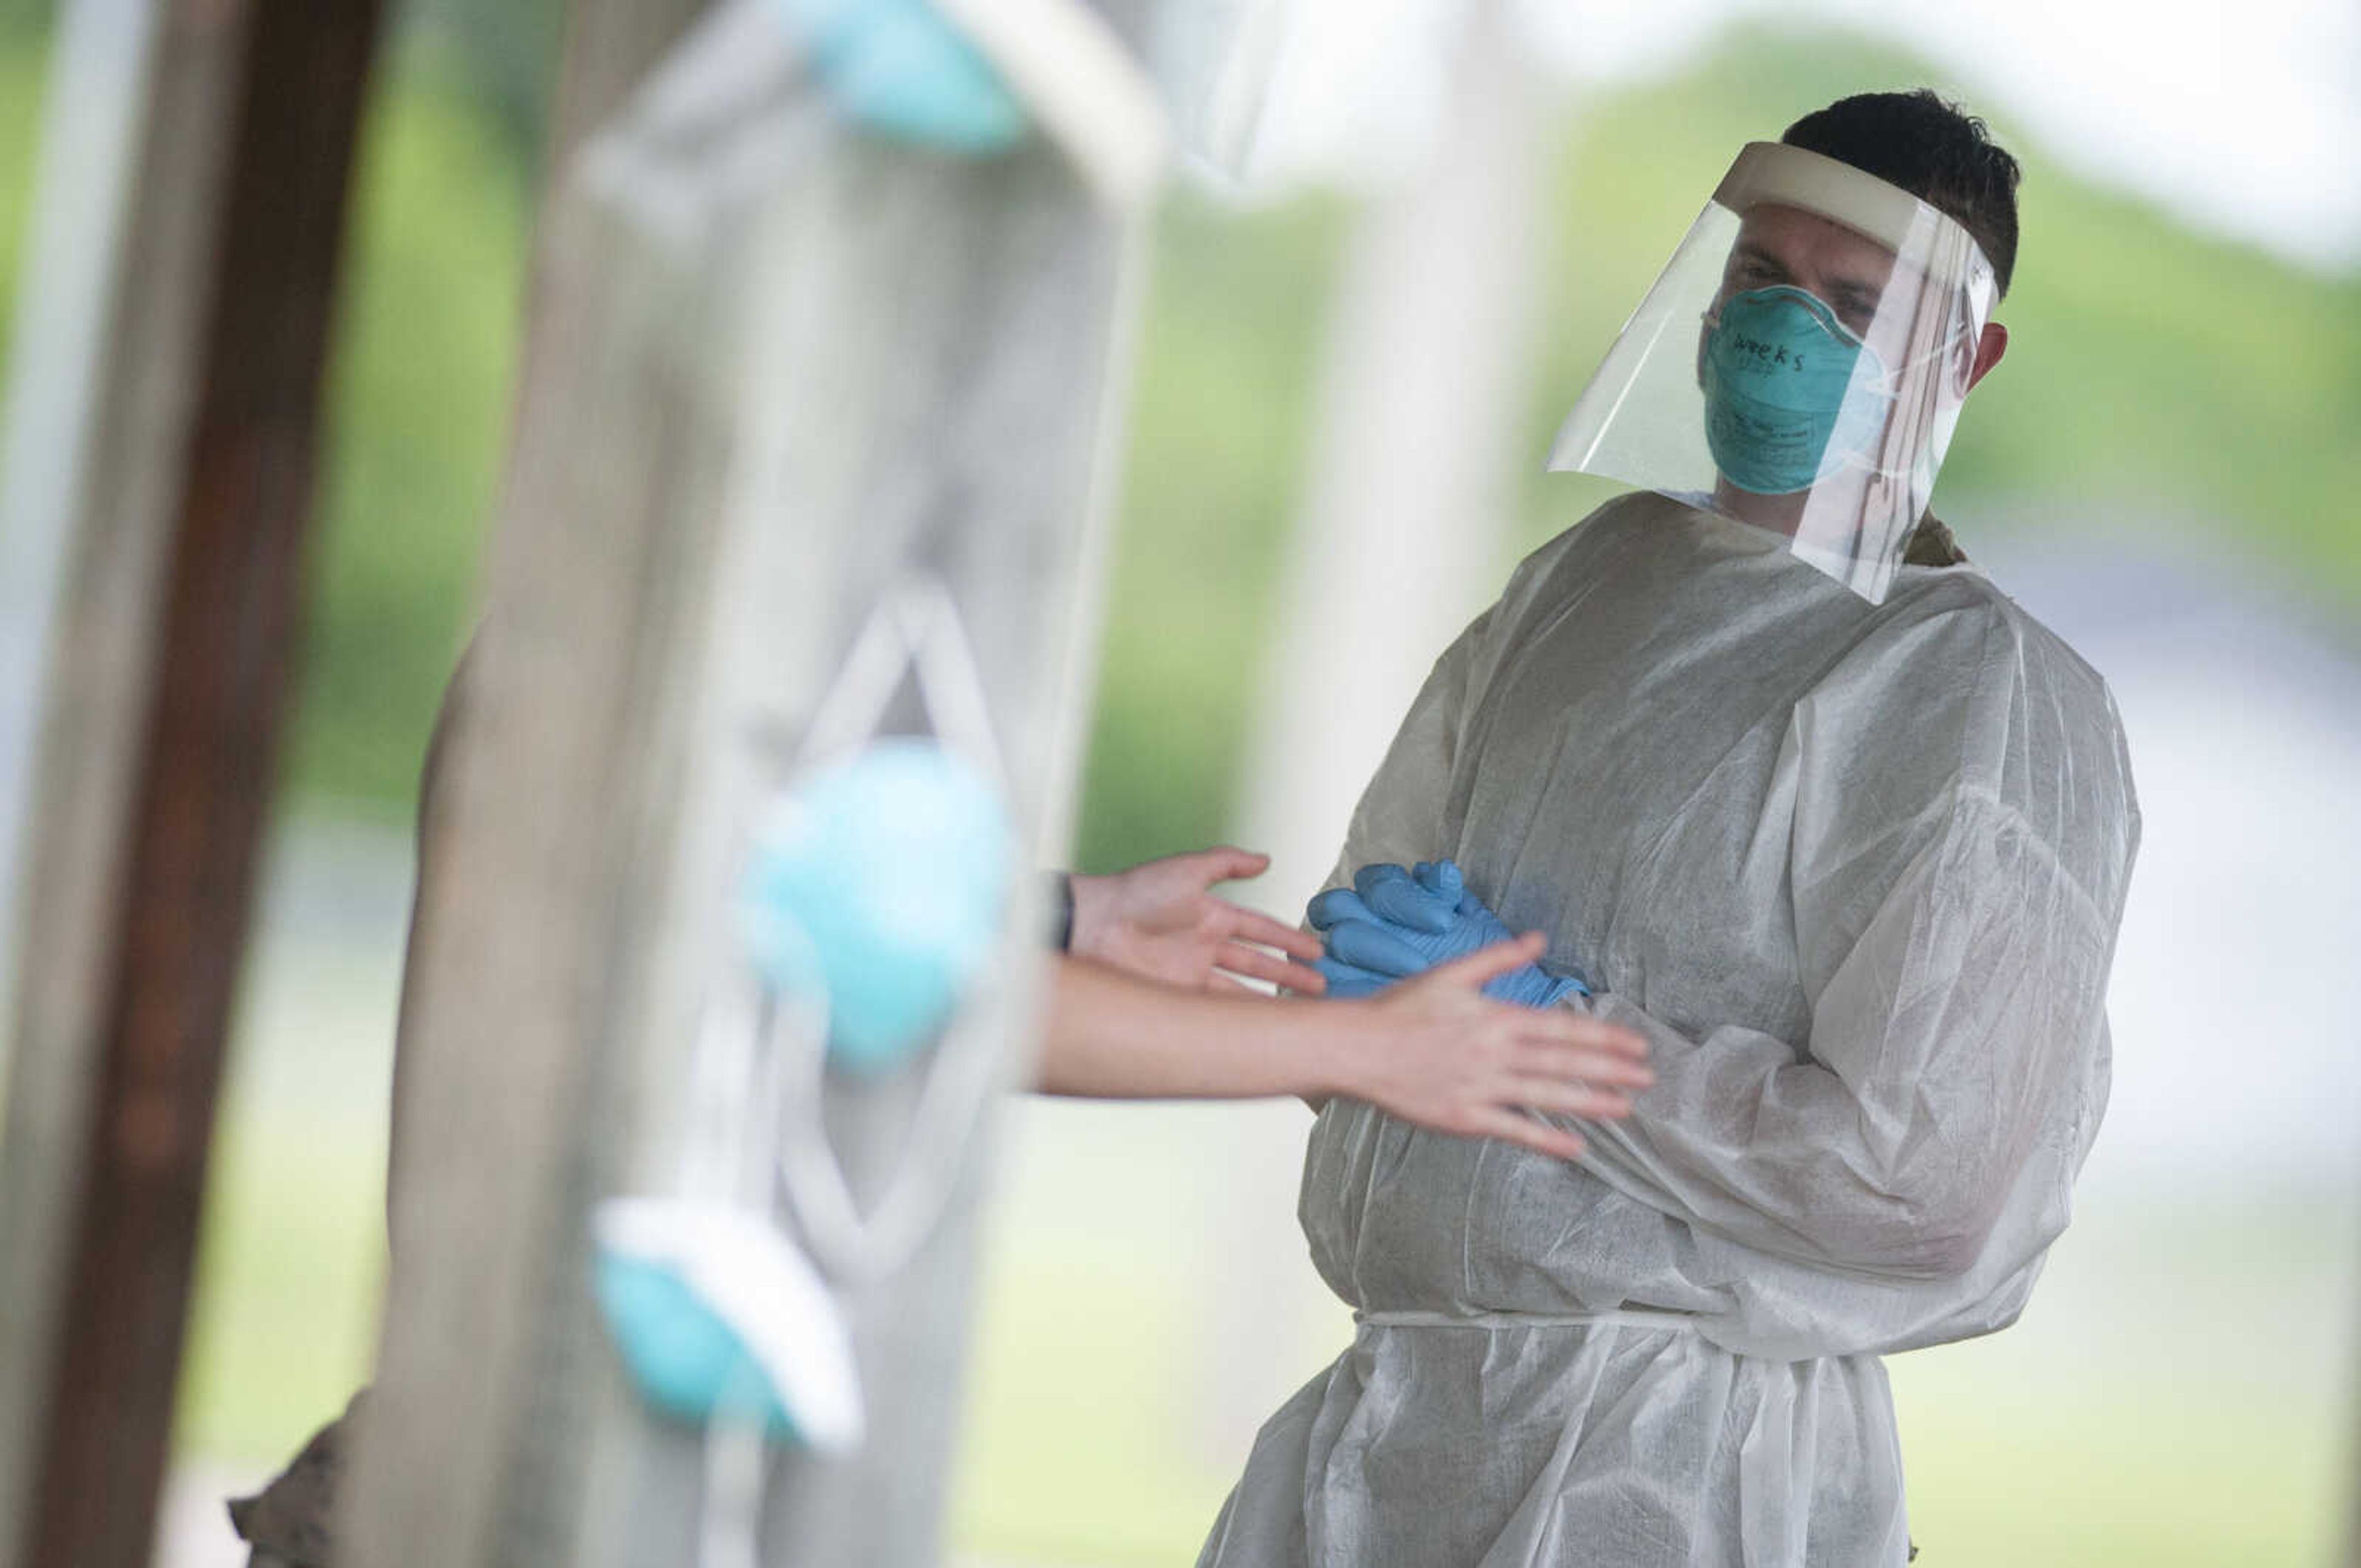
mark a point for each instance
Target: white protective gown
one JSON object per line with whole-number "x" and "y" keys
{"x": 1856, "y": 871}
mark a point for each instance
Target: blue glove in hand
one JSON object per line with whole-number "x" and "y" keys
{"x": 1392, "y": 923}
{"x": 898, "y": 69}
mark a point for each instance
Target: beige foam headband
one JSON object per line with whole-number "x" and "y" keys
{"x": 1794, "y": 177}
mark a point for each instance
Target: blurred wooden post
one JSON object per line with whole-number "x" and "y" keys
{"x": 179, "y": 308}
{"x": 895, "y": 364}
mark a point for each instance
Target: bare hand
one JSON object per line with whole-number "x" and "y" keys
{"x": 1156, "y": 920}
{"x": 1439, "y": 1053}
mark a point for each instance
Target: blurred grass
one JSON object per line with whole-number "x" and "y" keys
{"x": 1069, "y": 1452}
{"x": 289, "y": 1266}
{"x": 2102, "y": 1471}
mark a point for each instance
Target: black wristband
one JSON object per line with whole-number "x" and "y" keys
{"x": 1060, "y": 898}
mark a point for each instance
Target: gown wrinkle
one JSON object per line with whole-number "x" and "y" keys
{"x": 1855, "y": 873}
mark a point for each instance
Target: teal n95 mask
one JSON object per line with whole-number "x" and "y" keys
{"x": 1800, "y": 365}
{"x": 1785, "y": 396}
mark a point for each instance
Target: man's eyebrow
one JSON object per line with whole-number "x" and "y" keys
{"x": 1749, "y": 251}
{"x": 1853, "y": 293}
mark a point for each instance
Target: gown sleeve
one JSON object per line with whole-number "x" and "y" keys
{"x": 1962, "y": 833}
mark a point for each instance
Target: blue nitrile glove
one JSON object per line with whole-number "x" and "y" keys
{"x": 1394, "y": 923}
{"x": 898, "y": 67}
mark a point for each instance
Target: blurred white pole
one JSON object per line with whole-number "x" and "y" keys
{"x": 1404, "y": 537}
{"x": 91, "y": 123}
{"x": 1213, "y": 60}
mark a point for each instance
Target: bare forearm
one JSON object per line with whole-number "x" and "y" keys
{"x": 1112, "y": 1037}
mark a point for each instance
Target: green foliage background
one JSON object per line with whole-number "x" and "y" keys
{"x": 2182, "y": 380}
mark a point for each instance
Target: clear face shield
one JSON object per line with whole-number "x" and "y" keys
{"x": 1800, "y": 365}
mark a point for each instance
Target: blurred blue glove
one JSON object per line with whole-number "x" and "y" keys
{"x": 898, "y": 69}
{"x": 877, "y": 884}
{"x": 1392, "y": 923}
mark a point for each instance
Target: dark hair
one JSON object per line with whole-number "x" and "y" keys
{"x": 1931, "y": 149}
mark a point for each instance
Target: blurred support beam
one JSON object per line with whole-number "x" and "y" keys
{"x": 522, "y": 851}
{"x": 608, "y": 47}
{"x": 200, "y": 187}
{"x": 883, "y": 362}
{"x": 1405, "y": 531}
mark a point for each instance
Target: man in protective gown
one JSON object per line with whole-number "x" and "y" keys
{"x": 1812, "y": 804}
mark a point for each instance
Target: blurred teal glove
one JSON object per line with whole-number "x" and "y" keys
{"x": 715, "y": 1312}
{"x": 1392, "y": 923}
{"x": 877, "y": 884}
{"x": 896, "y": 68}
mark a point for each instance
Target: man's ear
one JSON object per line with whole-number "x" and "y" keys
{"x": 1990, "y": 346}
